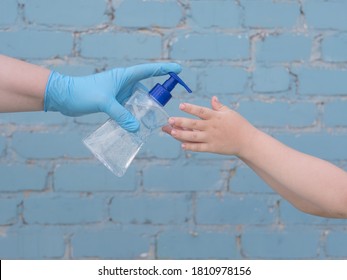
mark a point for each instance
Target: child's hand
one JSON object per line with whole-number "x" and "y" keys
{"x": 219, "y": 130}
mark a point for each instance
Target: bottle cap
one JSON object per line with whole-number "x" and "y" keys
{"x": 162, "y": 93}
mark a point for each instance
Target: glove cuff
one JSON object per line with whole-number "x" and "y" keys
{"x": 46, "y": 97}
{"x": 55, "y": 93}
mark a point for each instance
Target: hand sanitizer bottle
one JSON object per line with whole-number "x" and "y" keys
{"x": 115, "y": 147}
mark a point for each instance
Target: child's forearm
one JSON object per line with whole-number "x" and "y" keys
{"x": 311, "y": 184}
{"x": 22, "y": 85}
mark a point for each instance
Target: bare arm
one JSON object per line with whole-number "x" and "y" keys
{"x": 22, "y": 85}
{"x": 312, "y": 185}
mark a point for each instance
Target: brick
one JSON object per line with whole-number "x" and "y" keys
{"x": 34, "y": 118}
{"x": 334, "y": 11}
{"x": 176, "y": 244}
{"x": 9, "y": 210}
{"x": 320, "y": 81}
{"x": 224, "y": 80}
{"x": 20, "y": 177}
{"x": 78, "y": 13}
{"x": 32, "y": 242}
{"x": 322, "y": 145}
{"x": 212, "y": 46}
{"x": 290, "y": 243}
{"x": 151, "y": 209}
{"x": 334, "y": 48}
{"x": 52, "y": 144}
{"x": 28, "y": 43}
{"x": 109, "y": 243}
{"x": 2, "y": 145}
{"x": 335, "y": 113}
{"x": 284, "y": 48}
{"x": 271, "y": 80}
{"x": 63, "y": 209}
{"x": 278, "y": 113}
{"x": 8, "y": 12}
{"x": 336, "y": 244}
{"x": 235, "y": 209}
{"x": 246, "y": 180}
{"x": 92, "y": 177}
{"x": 138, "y": 13}
{"x": 221, "y": 14}
{"x": 121, "y": 45}
{"x": 283, "y": 14}
{"x": 184, "y": 178}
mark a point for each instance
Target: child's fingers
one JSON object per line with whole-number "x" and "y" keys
{"x": 195, "y": 147}
{"x": 187, "y": 124}
{"x": 201, "y": 112}
{"x": 167, "y": 129}
{"x": 188, "y": 135}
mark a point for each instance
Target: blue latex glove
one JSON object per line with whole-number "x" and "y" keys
{"x": 102, "y": 92}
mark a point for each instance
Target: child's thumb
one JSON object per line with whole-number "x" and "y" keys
{"x": 216, "y": 105}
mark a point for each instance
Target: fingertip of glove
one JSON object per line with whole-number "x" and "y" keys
{"x": 130, "y": 123}
{"x": 174, "y": 67}
{"x": 132, "y": 127}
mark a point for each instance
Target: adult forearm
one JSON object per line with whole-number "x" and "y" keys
{"x": 22, "y": 85}
{"x": 311, "y": 184}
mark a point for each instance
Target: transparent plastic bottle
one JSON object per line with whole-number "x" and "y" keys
{"x": 115, "y": 147}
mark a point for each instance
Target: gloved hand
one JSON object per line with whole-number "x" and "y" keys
{"x": 102, "y": 92}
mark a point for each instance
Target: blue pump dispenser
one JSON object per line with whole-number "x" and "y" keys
{"x": 162, "y": 93}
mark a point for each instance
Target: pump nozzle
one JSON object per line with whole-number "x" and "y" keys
{"x": 172, "y": 82}
{"x": 161, "y": 93}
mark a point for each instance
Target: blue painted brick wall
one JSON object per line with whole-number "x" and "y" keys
{"x": 281, "y": 64}
{"x": 313, "y": 13}
{"x": 210, "y": 46}
{"x": 151, "y": 209}
{"x": 271, "y": 79}
{"x": 8, "y": 12}
{"x": 2, "y": 145}
{"x": 121, "y": 45}
{"x": 36, "y": 44}
{"x": 9, "y": 209}
{"x": 321, "y": 80}
{"x": 286, "y": 47}
{"x": 333, "y": 48}
{"x": 63, "y": 13}
{"x": 283, "y": 15}
{"x": 165, "y": 14}
{"x": 220, "y": 14}
{"x": 112, "y": 241}
{"x": 64, "y": 209}
{"x": 197, "y": 244}
{"x": 278, "y": 244}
